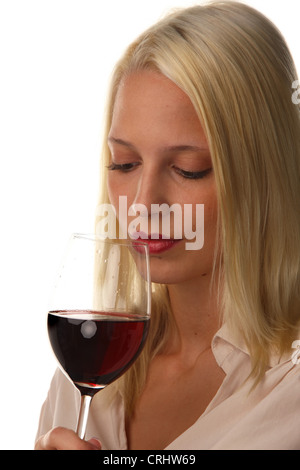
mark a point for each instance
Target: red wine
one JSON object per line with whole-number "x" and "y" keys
{"x": 95, "y": 348}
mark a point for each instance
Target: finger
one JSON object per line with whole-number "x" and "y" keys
{"x": 63, "y": 439}
{"x": 95, "y": 442}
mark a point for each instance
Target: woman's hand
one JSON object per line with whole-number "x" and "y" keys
{"x": 64, "y": 439}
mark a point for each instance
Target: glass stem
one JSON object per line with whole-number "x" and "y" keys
{"x": 83, "y": 415}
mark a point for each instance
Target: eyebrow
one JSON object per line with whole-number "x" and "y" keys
{"x": 169, "y": 148}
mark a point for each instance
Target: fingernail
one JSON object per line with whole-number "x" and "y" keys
{"x": 95, "y": 442}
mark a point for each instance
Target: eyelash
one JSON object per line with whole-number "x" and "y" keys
{"x": 126, "y": 167}
{"x": 193, "y": 175}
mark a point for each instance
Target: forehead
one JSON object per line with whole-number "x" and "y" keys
{"x": 147, "y": 87}
{"x": 149, "y": 99}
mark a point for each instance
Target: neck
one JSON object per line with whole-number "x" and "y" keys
{"x": 196, "y": 313}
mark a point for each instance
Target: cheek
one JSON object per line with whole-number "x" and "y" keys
{"x": 210, "y": 228}
{"x": 210, "y": 210}
{"x": 112, "y": 190}
{"x": 208, "y": 198}
{"x": 210, "y": 220}
{"x": 116, "y": 188}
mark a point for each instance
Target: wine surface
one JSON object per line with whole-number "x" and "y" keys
{"x": 95, "y": 348}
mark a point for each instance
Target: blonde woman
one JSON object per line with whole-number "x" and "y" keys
{"x": 200, "y": 112}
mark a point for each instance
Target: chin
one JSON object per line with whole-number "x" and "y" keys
{"x": 171, "y": 275}
{"x": 180, "y": 268}
{"x": 163, "y": 274}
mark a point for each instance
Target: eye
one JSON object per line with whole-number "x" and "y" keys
{"x": 194, "y": 175}
{"x": 124, "y": 167}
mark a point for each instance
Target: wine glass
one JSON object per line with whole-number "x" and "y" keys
{"x": 99, "y": 313}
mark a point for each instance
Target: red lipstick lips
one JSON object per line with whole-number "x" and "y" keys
{"x": 157, "y": 243}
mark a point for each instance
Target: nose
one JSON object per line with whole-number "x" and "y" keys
{"x": 151, "y": 195}
{"x": 151, "y": 189}
{"x": 154, "y": 208}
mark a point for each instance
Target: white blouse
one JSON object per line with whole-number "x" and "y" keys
{"x": 266, "y": 418}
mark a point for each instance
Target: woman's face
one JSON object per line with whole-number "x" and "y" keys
{"x": 160, "y": 155}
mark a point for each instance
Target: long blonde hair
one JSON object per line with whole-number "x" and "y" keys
{"x": 236, "y": 68}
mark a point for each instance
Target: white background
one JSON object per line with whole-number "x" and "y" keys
{"x": 55, "y": 60}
